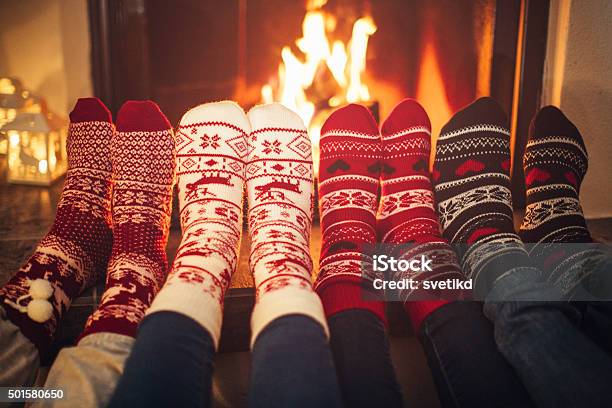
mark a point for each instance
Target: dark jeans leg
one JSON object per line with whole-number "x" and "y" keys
{"x": 171, "y": 365}
{"x": 559, "y": 365}
{"x": 467, "y": 367}
{"x": 292, "y": 366}
{"x": 361, "y": 353}
{"x": 597, "y": 323}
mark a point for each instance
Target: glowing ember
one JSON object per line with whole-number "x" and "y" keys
{"x": 345, "y": 62}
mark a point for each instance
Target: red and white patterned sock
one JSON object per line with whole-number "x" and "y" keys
{"x": 280, "y": 194}
{"x": 349, "y": 174}
{"x": 211, "y": 144}
{"x": 142, "y": 155}
{"x": 406, "y": 214}
{"x": 74, "y": 254}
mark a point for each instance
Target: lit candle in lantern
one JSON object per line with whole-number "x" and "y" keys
{"x": 11, "y": 100}
{"x": 36, "y": 148}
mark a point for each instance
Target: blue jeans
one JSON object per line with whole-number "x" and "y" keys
{"x": 171, "y": 364}
{"x": 467, "y": 368}
{"x": 596, "y": 323}
{"x": 292, "y": 366}
{"x": 360, "y": 348}
{"x": 559, "y": 365}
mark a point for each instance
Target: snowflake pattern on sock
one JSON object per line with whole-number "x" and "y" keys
{"x": 406, "y": 214}
{"x": 472, "y": 190}
{"x": 75, "y": 252}
{"x": 349, "y": 172}
{"x": 280, "y": 197}
{"x": 555, "y": 164}
{"x": 143, "y": 174}
{"x": 211, "y": 155}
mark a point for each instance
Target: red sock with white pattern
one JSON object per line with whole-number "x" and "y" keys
{"x": 406, "y": 214}
{"x": 349, "y": 173}
{"x": 74, "y": 254}
{"x": 142, "y": 155}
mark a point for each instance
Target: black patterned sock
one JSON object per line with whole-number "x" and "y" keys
{"x": 472, "y": 190}
{"x": 555, "y": 164}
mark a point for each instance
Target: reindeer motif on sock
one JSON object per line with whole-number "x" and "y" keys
{"x": 270, "y": 191}
{"x": 193, "y": 189}
{"x": 279, "y": 187}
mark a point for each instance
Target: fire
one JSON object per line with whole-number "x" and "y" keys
{"x": 431, "y": 93}
{"x": 345, "y": 62}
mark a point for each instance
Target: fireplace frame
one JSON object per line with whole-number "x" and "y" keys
{"x": 121, "y": 70}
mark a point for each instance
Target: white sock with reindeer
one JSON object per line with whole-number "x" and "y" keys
{"x": 280, "y": 194}
{"x": 211, "y": 143}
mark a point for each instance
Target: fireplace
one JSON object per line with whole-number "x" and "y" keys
{"x": 444, "y": 53}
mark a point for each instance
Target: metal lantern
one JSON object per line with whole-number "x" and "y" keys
{"x": 36, "y": 148}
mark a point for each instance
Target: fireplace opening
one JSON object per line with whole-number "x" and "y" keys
{"x": 344, "y": 56}
{"x": 315, "y": 55}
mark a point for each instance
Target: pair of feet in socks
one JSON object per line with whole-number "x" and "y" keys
{"x": 112, "y": 218}
{"x": 472, "y": 190}
{"x": 220, "y": 151}
{"x": 357, "y": 161}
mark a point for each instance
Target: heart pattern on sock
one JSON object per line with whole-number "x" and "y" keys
{"x": 347, "y": 204}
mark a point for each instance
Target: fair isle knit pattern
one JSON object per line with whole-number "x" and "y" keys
{"x": 555, "y": 164}
{"x": 406, "y": 214}
{"x": 472, "y": 191}
{"x": 142, "y": 155}
{"x": 211, "y": 144}
{"x": 349, "y": 172}
{"x": 74, "y": 254}
{"x": 280, "y": 196}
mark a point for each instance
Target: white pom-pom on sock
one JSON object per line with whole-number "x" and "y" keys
{"x": 40, "y": 289}
{"x": 39, "y": 310}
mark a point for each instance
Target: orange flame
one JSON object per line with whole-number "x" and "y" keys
{"x": 345, "y": 62}
{"x": 432, "y": 94}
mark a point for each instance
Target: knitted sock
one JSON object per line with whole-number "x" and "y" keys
{"x": 142, "y": 155}
{"x": 211, "y": 150}
{"x": 406, "y": 213}
{"x": 74, "y": 254}
{"x": 555, "y": 164}
{"x": 472, "y": 191}
{"x": 280, "y": 194}
{"x": 349, "y": 174}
